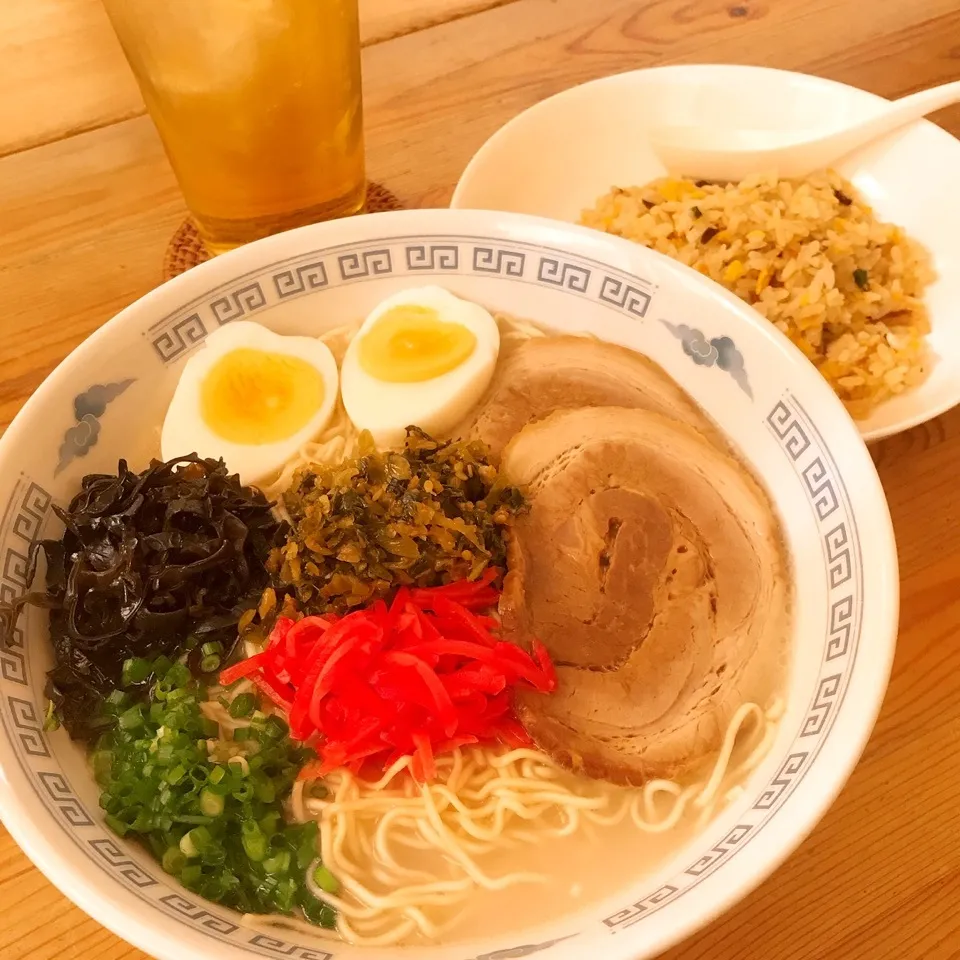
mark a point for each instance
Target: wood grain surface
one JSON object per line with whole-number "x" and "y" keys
{"x": 62, "y": 70}
{"x": 88, "y": 203}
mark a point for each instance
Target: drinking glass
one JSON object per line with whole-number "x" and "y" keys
{"x": 258, "y": 104}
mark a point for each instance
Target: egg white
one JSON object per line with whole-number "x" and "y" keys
{"x": 185, "y": 431}
{"x": 435, "y": 405}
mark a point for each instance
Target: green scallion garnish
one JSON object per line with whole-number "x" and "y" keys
{"x": 218, "y": 828}
{"x": 242, "y": 705}
{"x": 325, "y": 880}
{"x": 135, "y": 670}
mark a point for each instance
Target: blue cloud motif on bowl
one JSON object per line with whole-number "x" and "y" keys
{"x": 88, "y": 407}
{"x": 718, "y": 352}
{"x": 93, "y": 401}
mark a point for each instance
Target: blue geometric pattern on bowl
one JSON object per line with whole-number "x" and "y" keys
{"x": 24, "y": 516}
{"x": 721, "y": 352}
{"x": 88, "y": 408}
{"x": 181, "y": 332}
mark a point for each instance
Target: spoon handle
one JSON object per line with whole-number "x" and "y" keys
{"x": 918, "y": 105}
{"x": 898, "y": 114}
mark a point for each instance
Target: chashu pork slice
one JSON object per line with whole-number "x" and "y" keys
{"x": 546, "y": 374}
{"x": 652, "y": 567}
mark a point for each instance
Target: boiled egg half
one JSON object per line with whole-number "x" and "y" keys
{"x": 252, "y": 397}
{"x": 422, "y": 357}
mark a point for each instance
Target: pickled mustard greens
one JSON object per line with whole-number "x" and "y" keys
{"x": 431, "y": 514}
{"x": 218, "y": 827}
{"x": 150, "y": 563}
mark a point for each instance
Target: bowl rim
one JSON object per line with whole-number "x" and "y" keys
{"x": 492, "y": 143}
{"x": 27, "y": 825}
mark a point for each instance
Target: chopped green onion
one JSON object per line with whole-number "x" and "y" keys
{"x": 285, "y": 895}
{"x": 101, "y": 761}
{"x": 264, "y": 790}
{"x": 275, "y": 728}
{"x": 178, "y": 676}
{"x": 243, "y": 792}
{"x": 862, "y": 279}
{"x": 51, "y": 721}
{"x": 270, "y": 823}
{"x": 217, "y": 827}
{"x": 254, "y": 842}
{"x": 116, "y": 825}
{"x": 173, "y": 860}
{"x": 279, "y": 863}
{"x": 131, "y": 719}
{"x": 325, "y": 880}
{"x": 199, "y": 774}
{"x": 161, "y": 665}
{"x": 307, "y": 849}
{"x": 214, "y": 647}
{"x": 177, "y": 774}
{"x": 212, "y": 804}
{"x": 210, "y": 663}
{"x": 243, "y": 705}
{"x": 222, "y": 789}
{"x": 201, "y": 837}
{"x": 187, "y": 847}
{"x": 135, "y": 670}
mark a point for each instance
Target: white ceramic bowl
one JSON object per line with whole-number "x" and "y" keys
{"x": 107, "y": 400}
{"x": 559, "y": 156}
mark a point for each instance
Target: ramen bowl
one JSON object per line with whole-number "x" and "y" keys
{"x": 533, "y": 165}
{"x": 107, "y": 400}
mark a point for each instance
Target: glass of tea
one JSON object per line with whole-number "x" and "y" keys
{"x": 258, "y": 104}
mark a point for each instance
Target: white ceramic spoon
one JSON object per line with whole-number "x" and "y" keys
{"x": 734, "y": 154}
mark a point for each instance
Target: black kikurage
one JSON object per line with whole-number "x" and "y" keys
{"x": 147, "y": 561}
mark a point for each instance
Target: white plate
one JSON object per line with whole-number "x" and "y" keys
{"x": 559, "y": 156}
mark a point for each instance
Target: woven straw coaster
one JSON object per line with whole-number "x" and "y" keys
{"x": 186, "y": 249}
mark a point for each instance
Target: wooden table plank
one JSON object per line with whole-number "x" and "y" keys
{"x": 85, "y": 225}
{"x": 469, "y": 76}
{"x": 62, "y": 71}
{"x": 880, "y": 876}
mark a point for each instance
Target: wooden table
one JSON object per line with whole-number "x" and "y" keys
{"x": 88, "y": 204}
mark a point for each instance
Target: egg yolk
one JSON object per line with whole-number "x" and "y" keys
{"x": 254, "y": 397}
{"x": 410, "y": 344}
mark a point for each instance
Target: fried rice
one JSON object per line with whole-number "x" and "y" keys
{"x": 810, "y": 256}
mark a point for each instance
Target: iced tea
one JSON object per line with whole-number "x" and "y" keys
{"x": 258, "y": 104}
